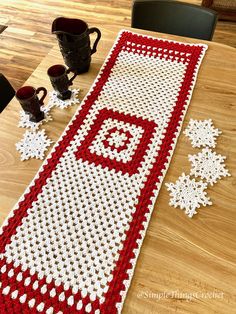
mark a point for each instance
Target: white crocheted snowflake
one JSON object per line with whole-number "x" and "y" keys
{"x": 54, "y": 101}
{"x": 26, "y": 123}
{"x": 33, "y": 145}
{"x": 188, "y": 194}
{"x": 202, "y": 133}
{"x": 208, "y": 165}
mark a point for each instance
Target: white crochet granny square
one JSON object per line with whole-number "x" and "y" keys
{"x": 117, "y": 140}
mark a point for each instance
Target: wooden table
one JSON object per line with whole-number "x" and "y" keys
{"x": 180, "y": 256}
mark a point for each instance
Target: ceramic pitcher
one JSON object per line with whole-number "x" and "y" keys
{"x": 74, "y": 42}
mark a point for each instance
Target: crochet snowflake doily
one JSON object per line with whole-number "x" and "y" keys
{"x": 54, "y": 101}
{"x": 208, "y": 165}
{"x": 33, "y": 145}
{"x": 74, "y": 237}
{"x": 188, "y": 194}
{"x": 26, "y": 123}
{"x": 202, "y": 133}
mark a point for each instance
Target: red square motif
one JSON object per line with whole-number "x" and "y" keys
{"x": 125, "y": 160}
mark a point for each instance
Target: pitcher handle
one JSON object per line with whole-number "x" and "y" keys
{"x": 95, "y": 30}
{"x": 41, "y": 89}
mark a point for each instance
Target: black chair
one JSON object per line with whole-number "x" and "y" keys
{"x": 174, "y": 17}
{"x": 7, "y": 92}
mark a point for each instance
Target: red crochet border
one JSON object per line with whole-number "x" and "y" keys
{"x": 113, "y": 296}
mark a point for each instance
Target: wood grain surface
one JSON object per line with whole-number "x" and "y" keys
{"x": 27, "y": 39}
{"x": 183, "y": 261}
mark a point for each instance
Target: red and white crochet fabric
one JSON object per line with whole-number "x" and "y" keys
{"x": 71, "y": 243}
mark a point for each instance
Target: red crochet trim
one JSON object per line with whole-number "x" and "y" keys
{"x": 155, "y": 48}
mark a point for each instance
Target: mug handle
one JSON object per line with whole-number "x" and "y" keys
{"x": 41, "y": 89}
{"x": 95, "y": 30}
{"x": 72, "y": 78}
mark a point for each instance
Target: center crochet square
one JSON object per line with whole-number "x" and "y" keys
{"x": 116, "y": 140}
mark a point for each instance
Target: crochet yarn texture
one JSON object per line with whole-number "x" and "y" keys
{"x": 71, "y": 243}
{"x": 33, "y": 145}
{"x": 54, "y": 101}
{"x": 26, "y": 123}
{"x": 188, "y": 194}
{"x": 202, "y": 133}
{"x": 208, "y": 165}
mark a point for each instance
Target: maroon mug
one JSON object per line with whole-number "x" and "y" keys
{"x": 28, "y": 98}
{"x": 60, "y": 81}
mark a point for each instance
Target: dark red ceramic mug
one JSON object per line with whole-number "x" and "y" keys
{"x": 60, "y": 81}
{"x": 28, "y": 98}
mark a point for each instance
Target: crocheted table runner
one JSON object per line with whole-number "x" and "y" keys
{"x": 72, "y": 241}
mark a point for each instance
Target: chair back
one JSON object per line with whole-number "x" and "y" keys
{"x": 173, "y": 17}
{"x": 7, "y": 92}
